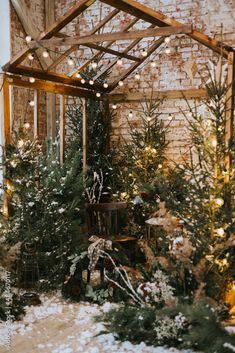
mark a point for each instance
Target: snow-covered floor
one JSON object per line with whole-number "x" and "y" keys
{"x": 58, "y": 326}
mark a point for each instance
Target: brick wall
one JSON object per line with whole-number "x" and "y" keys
{"x": 170, "y": 73}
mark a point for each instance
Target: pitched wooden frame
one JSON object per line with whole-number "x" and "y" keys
{"x": 159, "y": 19}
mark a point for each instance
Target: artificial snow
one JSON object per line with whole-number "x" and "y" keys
{"x": 59, "y": 326}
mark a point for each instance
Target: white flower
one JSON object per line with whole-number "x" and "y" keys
{"x": 31, "y": 204}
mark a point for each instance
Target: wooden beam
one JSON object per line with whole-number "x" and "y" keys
{"x": 84, "y": 136}
{"x": 159, "y": 19}
{"x": 62, "y": 128}
{"x": 97, "y": 55}
{"x": 36, "y": 132}
{"x": 100, "y": 25}
{"x": 171, "y": 94}
{"x": 134, "y": 66}
{"x": 112, "y": 52}
{"x": 49, "y": 87}
{"x": 51, "y": 97}
{"x": 49, "y": 76}
{"x": 103, "y": 37}
{"x": 27, "y": 20}
{"x": 229, "y": 125}
{"x": 6, "y": 112}
{"x": 51, "y": 30}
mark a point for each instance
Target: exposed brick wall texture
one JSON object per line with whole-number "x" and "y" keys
{"x": 170, "y": 74}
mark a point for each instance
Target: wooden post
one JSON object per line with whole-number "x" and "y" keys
{"x": 229, "y": 115}
{"x": 36, "y": 132}
{"x": 51, "y": 97}
{"x": 84, "y": 136}
{"x": 62, "y": 128}
{"x": 6, "y": 140}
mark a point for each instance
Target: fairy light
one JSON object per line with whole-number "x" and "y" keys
{"x": 28, "y": 39}
{"x": 149, "y": 118}
{"x": 120, "y": 83}
{"x": 83, "y": 81}
{"x": 91, "y": 82}
{"x": 94, "y": 65}
{"x": 105, "y": 85}
{"x": 120, "y": 62}
{"x": 160, "y": 166}
{"x": 30, "y": 56}
{"x": 26, "y": 126}
{"x": 220, "y": 232}
{"x": 219, "y": 201}
{"x": 167, "y": 51}
{"x": 167, "y": 40}
{"x": 31, "y": 103}
{"x": 98, "y": 94}
{"x": 114, "y": 106}
{"x": 70, "y": 61}
{"x": 78, "y": 75}
{"x": 214, "y": 142}
{"x": 137, "y": 76}
{"x": 153, "y": 64}
{"x": 170, "y": 117}
{"x": 130, "y": 115}
{"x": 144, "y": 53}
{"x": 45, "y": 54}
{"x": 31, "y": 79}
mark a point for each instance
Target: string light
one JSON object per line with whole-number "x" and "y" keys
{"x": 130, "y": 115}
{"x": 160, "y": 166}
{"x": 78, "y": 75}
{"x": 31, "y": 79}
{"x": 30, "y": 56}
{"x": 153, "y": 64}
{"x": 91, "y": 82}
{"x": 149, "y": 118}
{"x": 214, "y": 142}
{"x": 120, "y": 62}
{"x": 70, "y": 61}
{"x": 219, "y": 201}
{"x": 167, "y": 51}
{"x": 105, "y": 85}
{"x": 144, "y": 53}
{"x": 170, "y": 117}
{"x": 137, "y": 76}
{"x": 98, "y": 94}
{"x": 94, "y": 65}
{"x": 114, "y": 106}
{"x": 220, "y": 232}
{"x": 45, "y": 54}
{"x": 26, "y": 126}
{"x": 120, "y": 83}
{"x": 83, "y": 81}
{"x": 31, "y": 103}
{"x": 167, "y": 40}
{"x": 28, "y": 39}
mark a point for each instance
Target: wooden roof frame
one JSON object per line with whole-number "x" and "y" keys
{"x": 160, "y": 25}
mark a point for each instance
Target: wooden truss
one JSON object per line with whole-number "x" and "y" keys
{"x": 159, "y": 25}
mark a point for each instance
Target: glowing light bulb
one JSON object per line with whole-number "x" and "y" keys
{"x": 144, "y": 53}
{"x": 78, "y": 75}
{"x": 91, "y": 82}
{"x": 27, "y": 125}
{"x": 70, "y": 61}
{"x": 31, "y": 103}
{"x": 94, "y": 65}
{"x": 120, "y": 62}
{"x": 31, "y": 79}
{"x": 220, "y": 232}
{"x": 219, "y": 201}
{"x": 214, "y": 142}
{"x": 160, "y": 166}
{"x": 28, "y": 39}
{"x": 224, "y": 261}
{"x": 167, "y": 51}
{"x": 98, "y": 94}
{"x": 30, "y": 56}
{"x": 105, "y": 85}
{"x": 153, "y": 64}
{"x": 170, "y": 117}
{"x": 120, "y": 83}
{"x": 45, "y": 54}
{"x": 83, "y": 81}
{"x": 167, "y": 40}
{"x": 137, "y": 76}
{"x": 149, "y": 118}
{"x": 130, "y": 114}
{"x": 114, "y": 106}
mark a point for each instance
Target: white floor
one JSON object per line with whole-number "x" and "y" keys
{"x": 58, "y": 326}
